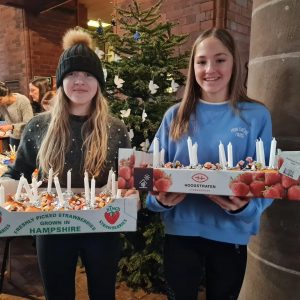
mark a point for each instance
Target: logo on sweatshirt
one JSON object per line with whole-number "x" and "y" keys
{"x": 240, "y": 132}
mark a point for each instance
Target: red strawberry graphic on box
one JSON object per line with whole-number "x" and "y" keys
{"x": 293, "y": 192}
{"x": 288, "y": 182}
{"x": 272, "y": 192}
{"x": 245, "y": 177}
{"x": 272, "y": 178}
{"x": 132, "y": 160}
{"x": 280, "y": 189}
{"x": 112, "y": 214}
{"x": 125, "y": 172}
{"x": 239, "y": 188}
{"x": 158, "y": 174}
{"x": 121, "y": 183}
{"x": 257, "y": 187}
{"x": 130, "y": 183}
{"x": 280, "y": 162}
{"x": 259, "y": 176}
{"x": 163, "y": 184}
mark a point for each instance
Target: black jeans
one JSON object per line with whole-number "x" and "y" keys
{"x": 186, "y": 258}
{"x": 58, "y": 255}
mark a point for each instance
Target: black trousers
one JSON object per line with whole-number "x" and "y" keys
{"x": 188, "y": 259}
{"x": 58, "y": 255}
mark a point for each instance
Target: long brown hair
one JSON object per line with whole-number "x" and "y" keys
{"x": 57, "y": 139}
{"x": 42, "y": 84}
{"x": 192, "y": 91}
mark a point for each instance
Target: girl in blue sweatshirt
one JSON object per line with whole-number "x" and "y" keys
{"x": 210, "y": 232}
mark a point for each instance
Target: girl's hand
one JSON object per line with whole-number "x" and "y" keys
{"x": 231, "y": 203}
{"x": 169, "y": 199}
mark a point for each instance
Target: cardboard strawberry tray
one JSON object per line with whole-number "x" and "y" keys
{"x": 117, "y": 216}
{"x": 278, "y": 184}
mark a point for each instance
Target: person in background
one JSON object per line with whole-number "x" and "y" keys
{"x": 80, "y": 134}
{"x": 48, "y": 100}
{"x": 210, "y": 232}
{"x": 16, "y": 111}
{"x": 38, "y": 87}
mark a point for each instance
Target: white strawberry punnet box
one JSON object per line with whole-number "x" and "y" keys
{"x": 117, "y": 216}
{"x": 267, "y": 183}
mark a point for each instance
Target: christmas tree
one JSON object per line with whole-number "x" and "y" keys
{"x": 143, "y": 65}
{"x": 143, "y": 73}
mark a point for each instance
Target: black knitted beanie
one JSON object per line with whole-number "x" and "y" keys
{"x": 79, "y": 56}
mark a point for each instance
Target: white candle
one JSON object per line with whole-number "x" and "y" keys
{"x": 28, "y": 189}
{"x": 34, "y": 188}
{"x": 229, "y": 155}
{"x": 69, "y": 182}
{"x": 162, "y": 156}
{"x": 108, "y": 185}
{"x": 113, "y": 184}
{"x": 262, "y": 153}
{"x": 19, "y": 188}
{"x": 155, "y": 153}
{"x": 93, "y": 191}
{"x": 257, "y": 151}
{"x": 86, "y": 187}
{"x": 50, "y": 178}
{"x": 58, "y": 190}
{"x": 272, "y": 154}
{"x": 222, "y": 156}
{"x": 190, "y": 146}
{"x": 2, "y": 195}
{"x": 195, "y": 154}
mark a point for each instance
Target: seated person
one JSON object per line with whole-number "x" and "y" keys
{"x": 38, "y": 87}
{"x": 16, "y": 111}
{"x": 48, "y": 100}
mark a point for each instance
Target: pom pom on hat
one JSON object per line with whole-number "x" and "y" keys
{"x": 78, "y": 55}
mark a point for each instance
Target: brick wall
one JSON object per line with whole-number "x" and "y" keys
{"x": 45, "y": 33}
{"x": 12, "y": 45}
{"x": 30, "y": 45}
{"x": 238, "y": 21}
{"x": 193, "y": 16}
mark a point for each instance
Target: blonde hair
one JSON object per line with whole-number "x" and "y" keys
{"x": 56, "y": 142}
{"x": 192, "y": 92}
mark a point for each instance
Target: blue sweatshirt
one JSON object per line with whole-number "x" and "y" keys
{"x": 211, "y": 123}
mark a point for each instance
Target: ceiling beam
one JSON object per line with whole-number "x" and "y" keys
{"x": 35, "y": 6}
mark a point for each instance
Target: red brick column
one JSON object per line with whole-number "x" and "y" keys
{"x": 273, "y": 270}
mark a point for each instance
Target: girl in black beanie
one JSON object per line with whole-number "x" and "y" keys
{"x": 78, "y": 134}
